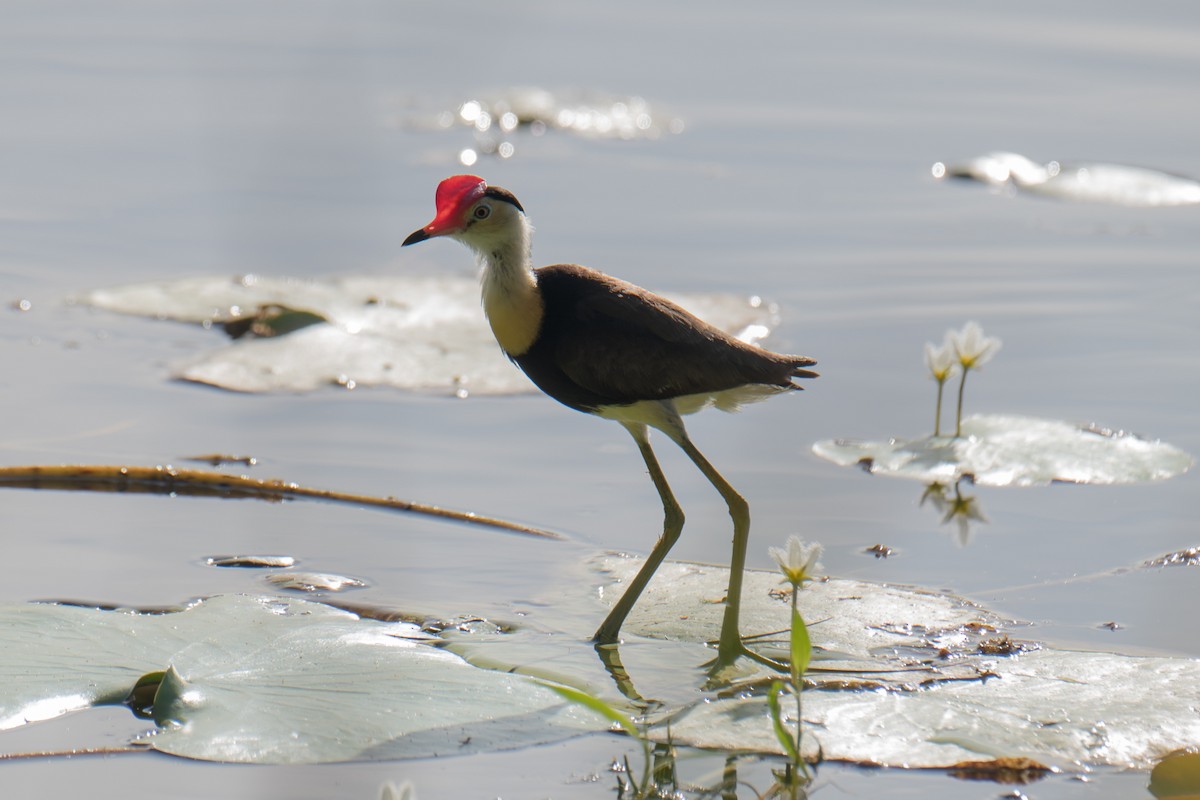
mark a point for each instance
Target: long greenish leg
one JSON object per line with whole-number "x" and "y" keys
{"x": 672, "y": 526}
{"x": 730, "y": 644}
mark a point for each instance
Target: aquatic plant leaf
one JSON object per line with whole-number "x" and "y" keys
{"x": 800, "y": 651}
{"x": 848, "y": 621}
{"x": 421, "y": 334}
{"x": 314, "y": 581}
{"x": 251, "y": 561}
{"x": 270, "y": 680}
{"x": 1063, "y": 709}
{"x": 1006, "y": 450}
{"x": 1116, "y": 184}
{"x": 900, "y": 696}
{"x": 62, "y": 658}
{"x": 899, "y": 677}
{"x": 782, "y": 734}
{"x": 597, "y": 706}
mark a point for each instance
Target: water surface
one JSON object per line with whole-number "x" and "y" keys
{"x": 148, "y": 141}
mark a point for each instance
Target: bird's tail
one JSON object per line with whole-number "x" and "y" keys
{"x": 798, "y": 363}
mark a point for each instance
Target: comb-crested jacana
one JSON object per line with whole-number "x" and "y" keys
{"x": 606, "y": 347}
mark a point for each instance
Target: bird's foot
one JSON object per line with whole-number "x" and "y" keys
{"x": 729, "y": 651}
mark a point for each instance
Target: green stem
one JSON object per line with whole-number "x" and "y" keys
{"x": 958, "y": 420}
{"x": 937, "y": 418}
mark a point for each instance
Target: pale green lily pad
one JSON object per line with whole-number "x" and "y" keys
{"x": 1118, "y": 184}
{"x": 1007, "y": 450}
{"x": 1064, "y": 708}
{"x": 901, "y": 677}
{"x": 268, "y": 680}
{"x": 849, "y": 618}
{"x": 416, "y": 333}
{"x": 496, "y": 115}
{"x": 314, "y": 581}
{"x": 1067, "y": 710}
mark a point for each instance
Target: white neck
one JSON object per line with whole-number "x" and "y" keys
{"x": 511, "y": 298}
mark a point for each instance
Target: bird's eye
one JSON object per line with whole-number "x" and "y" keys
{"x": 483, "y": 212}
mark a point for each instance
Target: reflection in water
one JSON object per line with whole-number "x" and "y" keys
{"x": 666, "y": 780}
{"x": 962, "y": 509}
{"x": 610, "y": 657}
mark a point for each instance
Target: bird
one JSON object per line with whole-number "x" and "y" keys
{"x": 606, "y": 347}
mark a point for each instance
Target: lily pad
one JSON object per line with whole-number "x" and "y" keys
{"x": 891, "y": 681}
{"x": 314, "y": 581}
{"x": 267, "y": 680}
{"x": 251, "y": 561}
{"x": 1116, "y": 184}
{"x": 1007, "y": 450}
{"x": 422, "y": 334}
{"x": 901, "y": 677}
{"x": 591, "y": 114}
{"x": 1068, "y": 710}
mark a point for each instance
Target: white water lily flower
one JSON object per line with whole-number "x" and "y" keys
{"x": 942, "y": 364}
{"x": 973, "y": 350}
{"x": 972, "y": 347}
{"x": 941, "y": 361}
{"x": 798, "y": 561}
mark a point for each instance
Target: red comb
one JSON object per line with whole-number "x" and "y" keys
{"x": 453, "y": 196}
{"x": 459, "y": 189}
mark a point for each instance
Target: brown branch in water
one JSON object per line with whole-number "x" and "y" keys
{"x": 75, "y": 752}
{"x": 203, "y": 483}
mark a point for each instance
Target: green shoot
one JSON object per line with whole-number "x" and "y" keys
{"x": 613, "y": 715}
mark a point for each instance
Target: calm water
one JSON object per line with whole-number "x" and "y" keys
{"x": 145, "y": 141}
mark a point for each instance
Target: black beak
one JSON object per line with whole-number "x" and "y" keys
{"x": 416, "y": 236}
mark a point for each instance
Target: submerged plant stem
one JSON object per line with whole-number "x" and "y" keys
{"x": 74, "y": 753}
{"x": 203, "y": 483}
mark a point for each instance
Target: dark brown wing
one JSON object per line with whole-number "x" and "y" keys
{"x": 621, "y": 343}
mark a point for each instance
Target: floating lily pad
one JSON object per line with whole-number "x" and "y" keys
{"x": 1188, "y": 557}
{"x": 890, "y": 681}
{"x": 266, "y": 680}
{"x": 502, "y": 122}
{"x": 424, "y": 334}
{"x": 1096, "y": 183}
{"x": 1064, "y": 709}
{"x": 314, "y": 581}
{"x": 1005, "y": 450}
{"x": 591, "y": 114}
{"x": 251, "y": 561}
{"x": 901, "y": 677}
